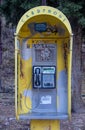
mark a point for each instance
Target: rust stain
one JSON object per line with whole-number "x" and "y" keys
{"x": 20, "y": 101}
{"x": 21, "y": 73}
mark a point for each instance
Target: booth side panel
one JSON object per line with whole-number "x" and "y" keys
{"x": 62, "y": 100}
{"x": 69, "y": 75}
{"x": 24, "y": 85}
{"x": 23, "y": 80}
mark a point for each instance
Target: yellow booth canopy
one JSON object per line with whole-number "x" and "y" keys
{"x": 55, "y": 19}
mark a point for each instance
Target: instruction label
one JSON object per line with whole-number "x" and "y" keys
{"x": 45, "y": 99}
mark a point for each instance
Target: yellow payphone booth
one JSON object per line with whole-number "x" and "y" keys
{"x": 43, "y": 56}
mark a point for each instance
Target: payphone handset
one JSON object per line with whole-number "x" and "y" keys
{"x": 44, "y": 77}
{"x": 44, "y": 66}
{"x": 37, "y": 76}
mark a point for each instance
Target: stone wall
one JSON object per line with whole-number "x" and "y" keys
{"x": 83, "y": 71}
{"x": 7, "y": 65}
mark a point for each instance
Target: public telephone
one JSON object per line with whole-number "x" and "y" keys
{"x": 44, "y": 77}
{"x": 44, "y": 66}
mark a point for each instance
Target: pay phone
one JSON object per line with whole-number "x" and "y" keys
{"x": 44, "y": 77}
{"x": 44, "y": 66}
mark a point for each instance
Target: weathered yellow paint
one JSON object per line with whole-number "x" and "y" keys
{"x": 45, "y": 125}
{"x": 24, "y": 83}
{"x": 69, "y": 75}
{"x": 25, "y": 79}
{"x": 43, "y": 10}
{"x": 25, "y": 105}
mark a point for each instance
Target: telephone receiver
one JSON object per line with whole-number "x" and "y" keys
{"x": 37, "y": 77}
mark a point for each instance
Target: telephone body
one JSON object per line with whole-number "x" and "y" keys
{"x": 44, "y": 66}
{"x": 44, "y": 77}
